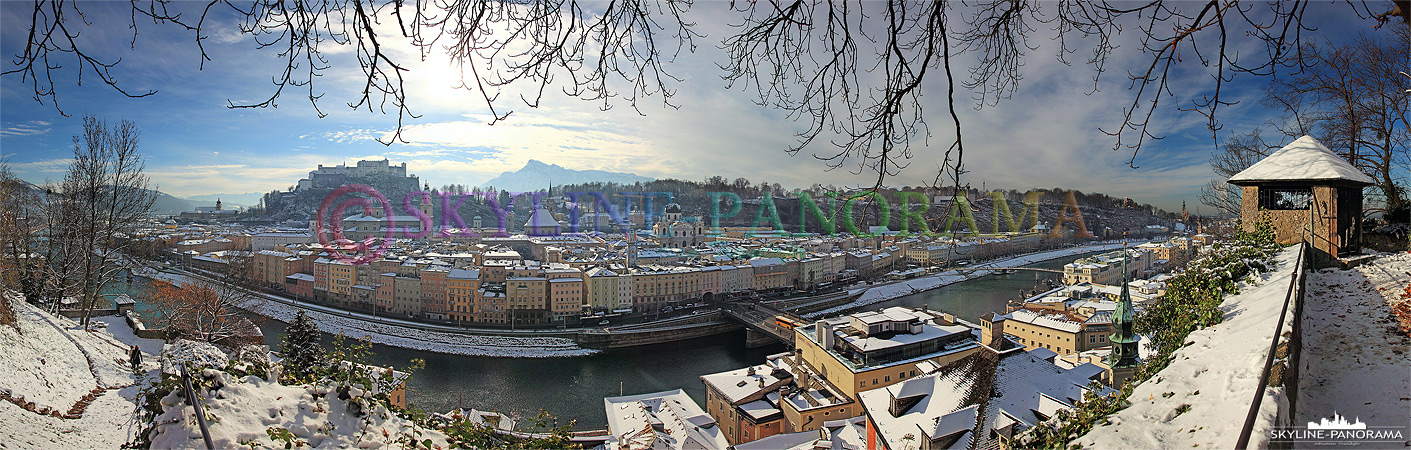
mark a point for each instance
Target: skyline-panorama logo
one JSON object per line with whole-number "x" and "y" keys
{"x": 1337, "y": 422}
{"x": 1337, "y": 430}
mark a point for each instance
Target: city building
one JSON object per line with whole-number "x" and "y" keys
{"x": 1063, "y": 332}
{"x": 461, "y": 287}
{"x": 980, "y": 402}
{"x": 1107, "y": 268}
{"x": 271, "y": 240}
{"x": 833, "y": 361}
{"x": 660, "y": 421}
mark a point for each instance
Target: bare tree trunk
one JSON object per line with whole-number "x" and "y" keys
{"x": 107, "y": 184}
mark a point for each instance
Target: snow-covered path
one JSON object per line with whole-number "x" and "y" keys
{"x": 1214, "y": 376}
{"x": 54, "y": 364}
{"x": 1355, "y": 360}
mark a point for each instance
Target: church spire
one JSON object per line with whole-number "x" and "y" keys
{"x": 1124, "y": 358}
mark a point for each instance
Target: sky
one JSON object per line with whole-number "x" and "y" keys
{"x": 1046, "y": 135}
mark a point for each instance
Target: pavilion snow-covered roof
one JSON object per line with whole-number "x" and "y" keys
{"x": 1305, "y": 159}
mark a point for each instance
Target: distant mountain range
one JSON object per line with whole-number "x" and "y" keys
{"x": 165, "y": 204}
{"x": 241, "y": 200}
{"x": 537, "y": 175}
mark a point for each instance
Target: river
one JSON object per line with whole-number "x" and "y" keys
{"x": 573, "y": 388}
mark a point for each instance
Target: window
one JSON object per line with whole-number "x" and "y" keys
{"x": 1285, "y": 199}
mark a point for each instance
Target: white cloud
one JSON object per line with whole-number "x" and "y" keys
{"x": 27, "y": 128}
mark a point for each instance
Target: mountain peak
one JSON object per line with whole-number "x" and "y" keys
{"x": 536, "y": 175}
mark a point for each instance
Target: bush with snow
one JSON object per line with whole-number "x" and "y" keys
{"x": 304, "y": 358}
{"x": 192, "y": 353}
{"x": 253, "y": 412}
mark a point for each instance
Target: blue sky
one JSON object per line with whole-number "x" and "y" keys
{"x": 1047, "y": 135}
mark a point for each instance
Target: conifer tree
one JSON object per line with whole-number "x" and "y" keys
{"x": 303, "y": 356}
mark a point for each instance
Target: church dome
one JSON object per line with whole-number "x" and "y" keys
{"x": 673, "y": 208}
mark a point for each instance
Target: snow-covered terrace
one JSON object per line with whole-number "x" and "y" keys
{"x": 1213, "y": 378}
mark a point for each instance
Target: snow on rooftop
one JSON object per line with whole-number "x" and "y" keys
{"x": 843, "y": 434}
{"x": 739, "y": 384}
{"x": 1052, "y": 321}
{"x": 661, "y": 420}
{"x": 1303, "y": 159}
{"x": 942, "y": 408}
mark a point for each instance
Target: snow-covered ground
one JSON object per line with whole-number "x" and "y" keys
{"x": 1355, "y": 359}
{"x": 48, "y": 364}
{"x": 413, "y": 338}
{"x": 881, "y": 293}
{"x": 249, "y": 410}
{"x": 1215, "y": 374}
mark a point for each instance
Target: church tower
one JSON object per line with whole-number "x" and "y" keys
{"x": 1124, "y": 358}
{"x": 217, "y": 204}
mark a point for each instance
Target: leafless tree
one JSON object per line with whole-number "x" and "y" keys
{"x": 854, "y": 71}
{"x": 112, "y": 196}
{"x": 1353, "y": 98}
{"x": 1236, "y": 154}
{"x": 17, "y": 257}
{"x": 207, "y": 309}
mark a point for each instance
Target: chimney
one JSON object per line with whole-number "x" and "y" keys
{"x": 823, "y": 333}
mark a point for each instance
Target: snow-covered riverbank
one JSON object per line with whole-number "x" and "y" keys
{"x": 881, "y": 293}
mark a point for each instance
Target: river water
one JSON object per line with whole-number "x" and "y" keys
{"x": 573, "y": 388}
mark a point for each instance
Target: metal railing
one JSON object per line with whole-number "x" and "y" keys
{"x": 1295, "y": 282}
{"x": 200, "y": 410}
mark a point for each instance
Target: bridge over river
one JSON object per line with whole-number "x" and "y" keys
{"x": 972, "y": 269}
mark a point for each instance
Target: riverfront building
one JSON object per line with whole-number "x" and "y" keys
{"x": 835, "y": 359}
{"x": 1063, "y": 332}
{"x": 1107, "y": 267}
{"x": 869, "y": 350}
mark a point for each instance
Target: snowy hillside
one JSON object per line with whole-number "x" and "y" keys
{"x": 63, "y": 387}
{"x": 249, "y": 411}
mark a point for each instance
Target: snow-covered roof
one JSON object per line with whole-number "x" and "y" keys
{"x": 835, "y": 435}
{"x": 1052, "y": 321}
{"x": 661, "y": 420}
{"x": 1302, "y": 160}
{"x": 741, "y": 384}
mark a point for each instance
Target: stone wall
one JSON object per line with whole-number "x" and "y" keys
{"x": 1291, "y": 226}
